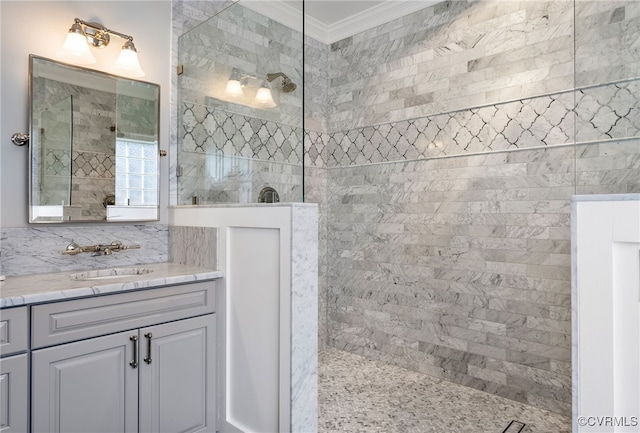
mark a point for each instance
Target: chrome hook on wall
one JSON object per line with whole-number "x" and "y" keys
{"x": 20, "y": 138}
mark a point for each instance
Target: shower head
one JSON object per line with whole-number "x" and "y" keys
{"x": 288, "y": 86}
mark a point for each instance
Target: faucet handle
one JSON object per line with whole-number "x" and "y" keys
{"x": 73, "y": 249}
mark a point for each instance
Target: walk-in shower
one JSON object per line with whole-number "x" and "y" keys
{"x": 444, "y": 148}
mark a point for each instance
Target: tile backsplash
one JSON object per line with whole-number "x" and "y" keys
{"x": 39, "y": 249}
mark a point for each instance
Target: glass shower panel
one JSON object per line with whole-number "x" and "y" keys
{"x": 607, "y": 97}
{"x": 240, "y": 123}
{"x": 55, "y": 162}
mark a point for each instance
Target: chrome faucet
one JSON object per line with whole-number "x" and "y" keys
{"x": 99, "y": 249}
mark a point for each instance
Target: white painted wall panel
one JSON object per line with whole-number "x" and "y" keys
{"x": 253, "y": 323}
{"x": 606, "y": 314}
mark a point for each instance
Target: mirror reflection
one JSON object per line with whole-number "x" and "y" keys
{"x": 93, "y": 145}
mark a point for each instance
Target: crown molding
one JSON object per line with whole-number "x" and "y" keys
{"x": 284, "y": 13}
{"x": 373, "y": 17}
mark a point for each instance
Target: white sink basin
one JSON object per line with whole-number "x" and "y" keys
{"x": 109, "y": 274}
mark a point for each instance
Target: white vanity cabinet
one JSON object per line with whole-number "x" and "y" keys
{"x": 85, "y": 386}
{"x": 139, "y": 361}
{"x": 14, "y": 370}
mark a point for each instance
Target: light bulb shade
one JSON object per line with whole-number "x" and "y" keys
{"x": 75, "y": 50}
{"x": 127, "y": 63}
{"x": 264, "y": 99}
{"x": 233, "y": 89}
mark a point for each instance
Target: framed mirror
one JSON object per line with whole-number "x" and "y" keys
{"x": 93, "y": 145}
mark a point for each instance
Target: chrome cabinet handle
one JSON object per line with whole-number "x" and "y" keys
{"x": 134, "y": 363}
{"x": 148, "y": 336}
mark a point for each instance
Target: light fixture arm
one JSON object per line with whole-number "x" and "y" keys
{"x": 271, "y": 77}
{"x": 99, "y": 36}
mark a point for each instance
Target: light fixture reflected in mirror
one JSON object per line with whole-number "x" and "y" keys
{"x": 245, "y": 89}
{"x": 263, "y": 98}
{"x": 83, "y": 34}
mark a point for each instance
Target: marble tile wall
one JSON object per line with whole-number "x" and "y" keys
{"x": 458, "y": 265}
{"x": 450, "y": 56}
{"x": 459, "y": 268}
{"x": 316, "y": 85}
{"x": 315, "y": 191}
{"x": 240, "y": 40}
{"x": 606, "y": 37}
{"x": 38, "y": 249}
{"x": 608, "y": 167}
{"x": 197, "y": 246}
{"x": 215, "y": 178}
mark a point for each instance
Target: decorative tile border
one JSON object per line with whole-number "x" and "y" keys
{"x": 609, "y": 111}
{"x": 601, "y": 113}
{"x": 212, "y": 130}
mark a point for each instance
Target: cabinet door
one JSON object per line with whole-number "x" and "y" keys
{"x": 13, "y": 394}
{"x": 86, "y": 387}
{"x": 177, "y": 376}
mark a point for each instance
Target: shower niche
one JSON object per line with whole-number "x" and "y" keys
{"x": 240, "y": 123}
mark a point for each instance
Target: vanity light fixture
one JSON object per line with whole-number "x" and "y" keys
{"x": 83, "y": 34}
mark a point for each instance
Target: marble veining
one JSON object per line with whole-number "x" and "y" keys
{"x": 304, "y": 317}
{"x": 40, "y": 247}
{"x": 196, "y": 246}
{"x": 31, "y": 289}
{"x": 213, "y": 130}
{"x": 605, "y": 112}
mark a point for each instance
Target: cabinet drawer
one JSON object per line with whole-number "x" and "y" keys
{"x": 67, "y": 321}
{"x": 14, "y": 334}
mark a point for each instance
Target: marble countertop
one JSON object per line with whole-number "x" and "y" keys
{"x": 31, "y": 289}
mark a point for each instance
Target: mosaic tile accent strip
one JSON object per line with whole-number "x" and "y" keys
{"x": 211, "y": 130}
{"x": 357, "y": 394}
{"x": 315, "y": 148}
{"x": 542, "y": 121}
{"x": 605, "y": 112}
{"x": 93, "y": 164}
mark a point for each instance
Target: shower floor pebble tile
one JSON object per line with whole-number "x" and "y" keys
{"x": 361, "y": 395}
